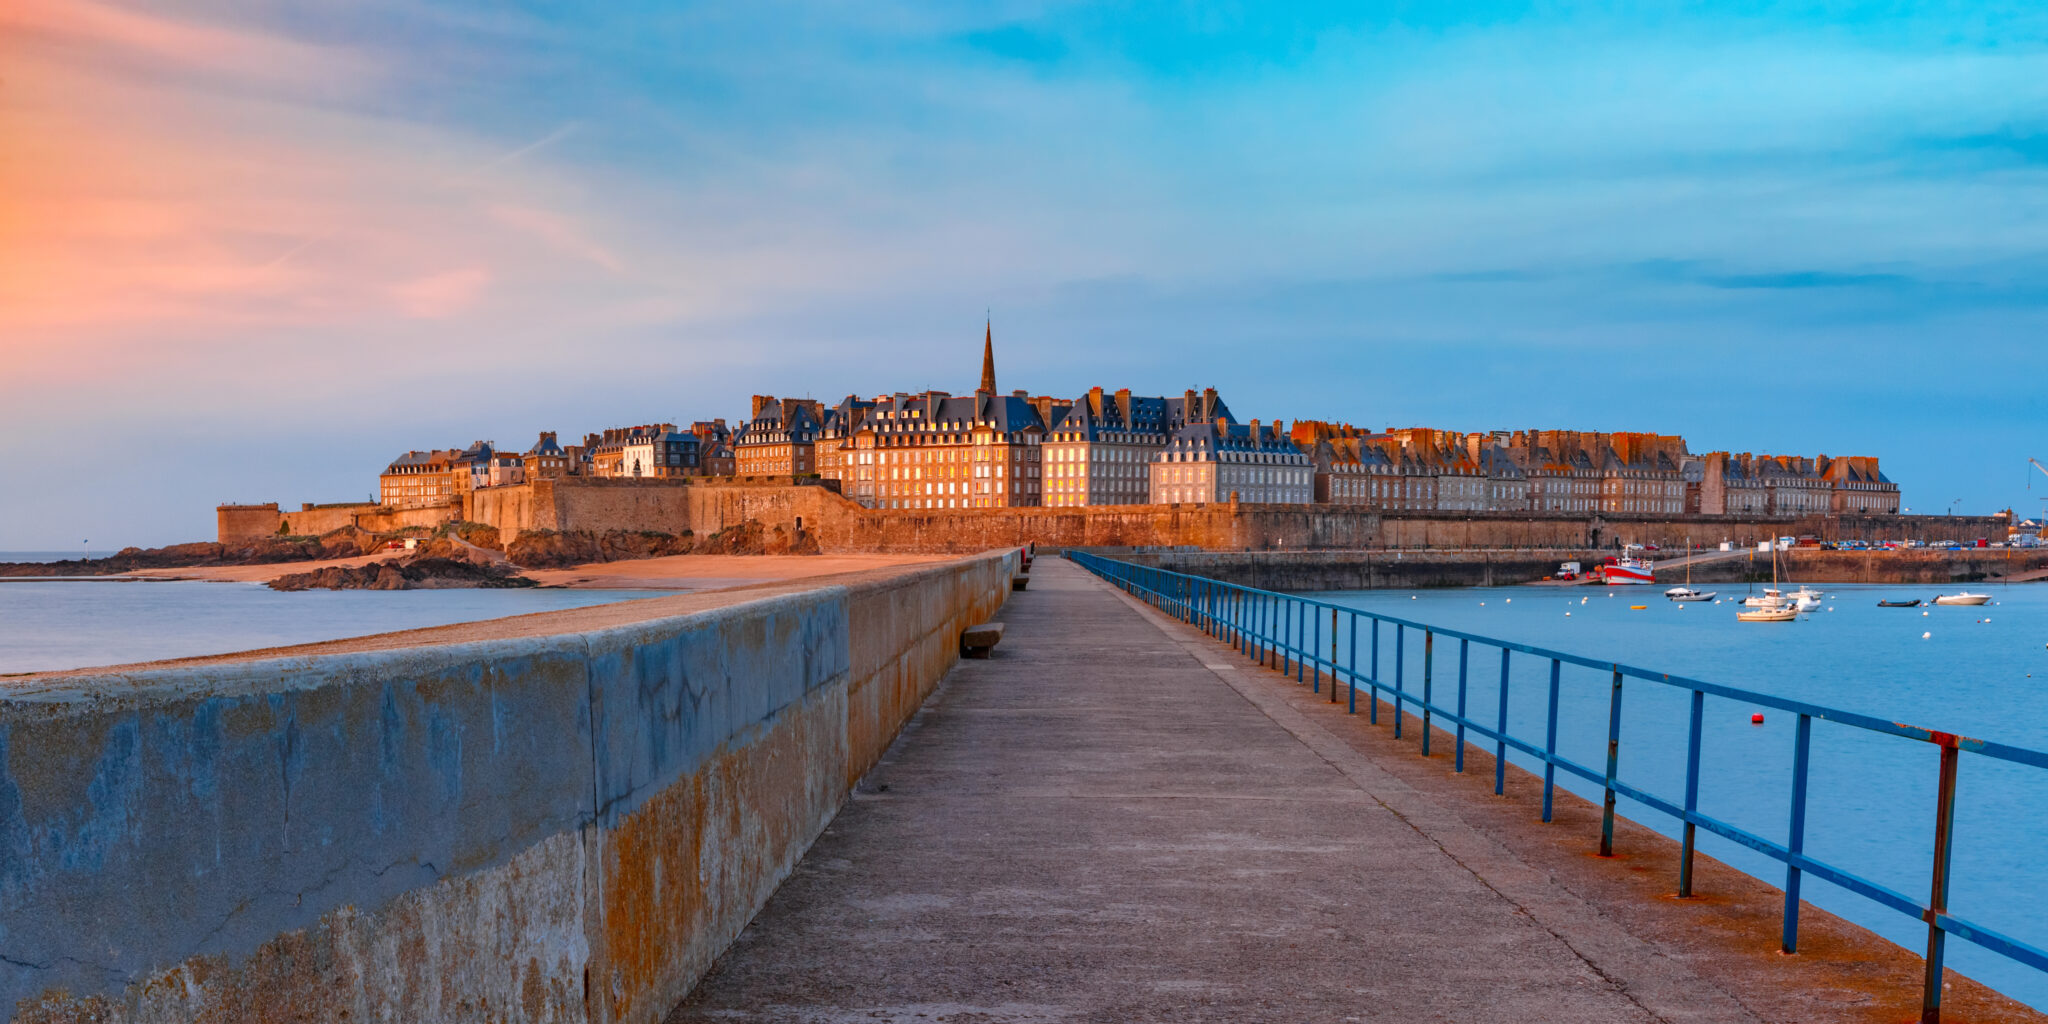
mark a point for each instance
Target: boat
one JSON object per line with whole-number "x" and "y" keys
{"x": 1686, "y": 592}
{"x": 1806, "y": 599}
{"x": 1773, "y": 606}
{"x": 1772, "y": 613}
{"x": 1914, "y": 603}
{"x": 1628, "y": 570}
{"x": 1964, "y": 597}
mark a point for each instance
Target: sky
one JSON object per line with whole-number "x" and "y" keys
{"x": 252, "y": 252}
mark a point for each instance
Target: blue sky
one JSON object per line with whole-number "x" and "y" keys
{"x": 258, "y": 253}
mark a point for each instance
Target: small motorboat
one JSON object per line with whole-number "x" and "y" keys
{"x": 1772, "y": 596}
{"x": 1964, "y": 597}
{"x": 1689, "y": 594}
{"x": 1806, "y": 599}
{"x": 1914, "y": 603}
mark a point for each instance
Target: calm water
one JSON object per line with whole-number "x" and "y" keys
{"x": 1980, "y": 672}
{"x": 59, "y": 625}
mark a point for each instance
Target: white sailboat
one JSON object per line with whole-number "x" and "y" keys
{"x": 1773, "y": 606}
{"x": 1686, "y": 592}
{"x": 1965, "y": 597}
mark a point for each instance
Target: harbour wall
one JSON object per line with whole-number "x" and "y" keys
{"x": 565, "y": 822}
{"x": 1301, "y": 571}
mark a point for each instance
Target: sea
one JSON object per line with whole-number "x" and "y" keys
{"x": 1976, "y": 671}
{"x": 62, "y": 624}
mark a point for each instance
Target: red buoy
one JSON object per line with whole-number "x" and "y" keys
{"x": 1757, "y": 719}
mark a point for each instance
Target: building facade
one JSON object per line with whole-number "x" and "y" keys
{"x": 1218, "y": 460}
{"x": 1100, "y": 451}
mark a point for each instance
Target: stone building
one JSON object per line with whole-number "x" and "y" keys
{"x": 420, "y": 479}
{"x": 1219, "y": 460}
{"x": 1641, "y": 474}
{"x": 934, "y": 450}
{"x": 835, "y": 450}
{"x": 714, "y": 448}
{"x": 1099, "y": 452}
{"x": 648, "y": 450}
{"x": 546, "y": 460}
{"x": 1856, "y": 485}
{"x": 779, "y": 438}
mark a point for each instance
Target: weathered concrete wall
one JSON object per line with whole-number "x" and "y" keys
{"x": 535, "y": 828}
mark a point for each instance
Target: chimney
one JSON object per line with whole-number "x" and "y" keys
{"x": 1123, "y": 406}
{"x": 1095, "y": 401}
{"x": 1190, "y": 409}
{"x": 759, "y": 402}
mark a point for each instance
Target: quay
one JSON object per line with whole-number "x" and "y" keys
{"x": 1119, "y": 818}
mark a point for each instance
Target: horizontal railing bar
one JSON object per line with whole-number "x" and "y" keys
{"x": 1282, "y": 646}
{"x": 1913, "y": 732}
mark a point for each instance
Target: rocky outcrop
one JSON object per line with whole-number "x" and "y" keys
{"x": 347, "y": 542}
{"x": 550, "y": 549}
{"x": 417, "y": 574}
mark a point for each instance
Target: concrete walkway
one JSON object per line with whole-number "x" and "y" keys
{"x": 1095, "y": 825}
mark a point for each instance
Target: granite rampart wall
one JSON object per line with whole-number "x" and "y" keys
{"x": 562, "y": 826}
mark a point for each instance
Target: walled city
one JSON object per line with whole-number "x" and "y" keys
{"x": 932, "y": 471}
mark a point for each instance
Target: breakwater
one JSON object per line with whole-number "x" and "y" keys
{"x": 1303, "y": 571}
{"x": 556, "y": 817}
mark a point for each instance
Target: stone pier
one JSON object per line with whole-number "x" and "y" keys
{"x": 1117, "y": 818}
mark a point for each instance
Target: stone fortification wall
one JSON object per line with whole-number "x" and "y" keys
{"x": 559, "y": 823}
{"x": 236, "y": 524}
{"x": 698, "y": 505}
{"x": 705, "y": 505}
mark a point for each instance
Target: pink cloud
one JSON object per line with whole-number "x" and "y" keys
{"x": 439, "y": 296}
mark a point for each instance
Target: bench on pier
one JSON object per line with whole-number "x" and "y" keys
{"x": 1020, "y": 581}
{"x": 978, "y": 641}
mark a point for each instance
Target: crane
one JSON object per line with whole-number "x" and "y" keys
{"x": 2030, "y": 483}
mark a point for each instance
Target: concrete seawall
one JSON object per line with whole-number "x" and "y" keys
{"x": 565, "y": 822}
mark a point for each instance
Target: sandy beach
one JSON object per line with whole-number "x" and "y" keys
{"x": 674, "y": 572}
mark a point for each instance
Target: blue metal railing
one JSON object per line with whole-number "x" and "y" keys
{"x": 1286, "y": 632}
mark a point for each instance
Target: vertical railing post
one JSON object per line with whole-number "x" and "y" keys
{"x": 1372, "y": 705}
{"x": 1316, "y": 649}
{"x": 1550, "y": 745}
{"x": 1795, "y": 839}
{"x": 1500, "y": 735}
{"x": 1333, "y": 655}
{"x": 1613, "y": 765}
{"x": 1692, "y": 794}
{"x": 1400, "y": 665}
{"x": 1260, "y": 625}
{"x": 1464, "y": 650}
{"x": 1286, "y": 627}
{"x": 1428, "y": 663}
{"x": 1354, "y": 664}
{"x": 1301, "y": 645}
{"x": 1937, "y": 897}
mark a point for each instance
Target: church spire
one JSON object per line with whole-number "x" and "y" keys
{"x": 988, "y": 359}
